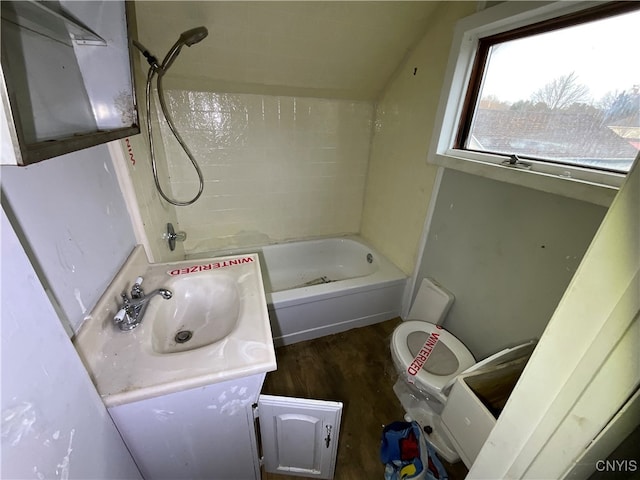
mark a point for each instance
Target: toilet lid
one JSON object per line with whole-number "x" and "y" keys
{"x": 447, "y": 356}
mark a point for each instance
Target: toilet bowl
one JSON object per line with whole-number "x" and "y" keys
{"x": 446, "y": 356}
{"x": 424, "y": 353}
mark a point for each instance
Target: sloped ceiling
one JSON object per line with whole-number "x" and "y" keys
{"x": 330, "y": 49}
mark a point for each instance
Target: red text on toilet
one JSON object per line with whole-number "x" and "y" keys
{"x": 423, "y": 355}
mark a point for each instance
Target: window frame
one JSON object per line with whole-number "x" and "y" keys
{"x": 588, "y": 184}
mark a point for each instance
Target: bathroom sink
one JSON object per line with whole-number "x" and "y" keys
{"x": 204, "y": 309}
{"x": 214, "y": 328}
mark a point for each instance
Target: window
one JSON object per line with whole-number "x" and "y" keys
{"x": 555, "y": 90}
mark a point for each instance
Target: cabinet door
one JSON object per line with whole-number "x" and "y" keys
{"x": 299, "y": 436}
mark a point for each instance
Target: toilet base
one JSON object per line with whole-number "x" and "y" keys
{"x": 427, "y": 414}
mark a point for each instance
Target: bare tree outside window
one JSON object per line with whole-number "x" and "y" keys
{"x": 588, "y": 117}
{"x": 562, "y": 92}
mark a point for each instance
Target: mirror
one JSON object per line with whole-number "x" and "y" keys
{"x": 68, "y": 80}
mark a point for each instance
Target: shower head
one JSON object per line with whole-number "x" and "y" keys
{"x": 187, "y": 38}
{"x": 192, "y": 36}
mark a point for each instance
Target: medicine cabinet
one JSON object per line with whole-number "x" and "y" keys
{"x": 67, "y": 81}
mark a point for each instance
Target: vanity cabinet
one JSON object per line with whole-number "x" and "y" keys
{"x": 193, "y": 413}
{"x": 201, "y": 433}
{"x": 209, "y": 433}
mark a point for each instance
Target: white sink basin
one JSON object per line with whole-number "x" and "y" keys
{"x": 214, "y": 328}
{"x": 204, "y": 309}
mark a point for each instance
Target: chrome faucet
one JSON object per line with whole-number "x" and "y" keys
{"x": 132, "y": 310}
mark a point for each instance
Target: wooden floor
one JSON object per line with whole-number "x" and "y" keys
{"x": 353, "y": 367}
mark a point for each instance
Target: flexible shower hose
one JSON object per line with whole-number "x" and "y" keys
{"x": 167, "y": 116}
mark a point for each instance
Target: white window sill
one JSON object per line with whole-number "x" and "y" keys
{"x": 586, "y": 189}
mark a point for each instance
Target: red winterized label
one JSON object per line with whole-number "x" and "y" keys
{"x": 423, "y": 355}
{"x": 209, "y": 266}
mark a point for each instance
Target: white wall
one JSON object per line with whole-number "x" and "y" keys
{"x": 400, "y": 181}
{"x": 507, "y": 253}
{"x": 54, "y": 424}
{"x": 149, "y": 212}
{"x": 274, "y": 175}
{"x": 72, "y": 215}
{"x": 586, "y": 365}
{"x": 323, "y": 49}
{"x": 275, "y": 168}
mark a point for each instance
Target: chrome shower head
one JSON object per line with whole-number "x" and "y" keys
{"x": 187, "y": 38}
{"x": 193, "y": 36}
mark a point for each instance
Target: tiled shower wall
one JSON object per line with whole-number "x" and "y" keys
{"x": 275, "y": 168}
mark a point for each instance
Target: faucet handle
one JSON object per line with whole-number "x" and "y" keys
{"x": 120, "y": 316}
{"x": 136, "y": 290}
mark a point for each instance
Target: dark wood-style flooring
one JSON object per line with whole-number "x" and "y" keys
{"x": 355, "y": 368}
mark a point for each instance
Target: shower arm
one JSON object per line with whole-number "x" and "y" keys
{"x": 153, "y": 61}
{"x": 160, "y": 68}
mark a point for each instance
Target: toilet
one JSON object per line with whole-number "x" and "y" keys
{"x": 428, "y": 359}
{"x": 421, "y": 336}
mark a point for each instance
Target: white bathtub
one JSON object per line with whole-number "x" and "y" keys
{"x": 319, "y": 287}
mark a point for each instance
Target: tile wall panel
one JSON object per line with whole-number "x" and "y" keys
{"x": 276, "y": 168}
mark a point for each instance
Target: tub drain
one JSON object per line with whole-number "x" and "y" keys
{"x": 183, "y": 336}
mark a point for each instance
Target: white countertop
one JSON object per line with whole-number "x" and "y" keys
{"x": 124, "y": 366}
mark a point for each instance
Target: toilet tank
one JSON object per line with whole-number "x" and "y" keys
{"x": 432, "y": 302}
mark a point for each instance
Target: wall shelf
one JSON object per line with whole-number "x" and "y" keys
{"x": 64, "y": 87}
{"x": 50, "y": 20}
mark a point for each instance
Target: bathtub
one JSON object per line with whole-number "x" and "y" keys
{"x": 320, "y": 287}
